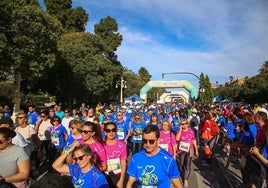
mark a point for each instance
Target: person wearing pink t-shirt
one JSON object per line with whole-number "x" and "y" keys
{"x": 167, "y": 139}
{"x": 91, "y": 136}
{"x": 187, "y": 148}
{"x": 116, "y": 152}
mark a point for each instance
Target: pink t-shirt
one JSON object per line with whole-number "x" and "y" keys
{"x": 167, "y": 141}
{"x": 115, "y": 153}
{"x": 186, "y": 137}
{"x": 99, "y": 151}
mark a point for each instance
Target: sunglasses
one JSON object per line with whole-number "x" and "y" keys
{"x": 184, "y": 124}
{"x": 42, "y": 116}
{"x": 72, "y": 128}
{"x": 2, "y": 141}
{"x": 86, "y": 132}
{"x": 151, "y": 141}
{"x": 21, "y": 117}
{"x": 110, "y": 130}
{"x": 80, "y": 158}
{"x": 55, "y": 120}
{"x": 119, "y": 115}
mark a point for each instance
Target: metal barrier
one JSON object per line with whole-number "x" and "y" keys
{"x": 254, "y": 172}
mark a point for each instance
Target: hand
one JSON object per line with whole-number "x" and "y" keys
{"x": 196, "y": 154}
{"x": 254, "y": 150}
{"x": 120, "y": 183}
{"x": 75, "y": 144}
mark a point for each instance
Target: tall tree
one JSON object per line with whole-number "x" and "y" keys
{"x": 72, "y": 19}
{"x": 30, "y": 37}
{"x": 107, "y": 30}
{"x": 202, "y": 88}
{"x": 144, "y": 74}
{"x": 90, "y": 72}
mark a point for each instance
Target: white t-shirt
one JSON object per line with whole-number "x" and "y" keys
{"x": 65, "y": 122}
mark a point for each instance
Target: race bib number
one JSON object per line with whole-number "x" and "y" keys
{"x": 55, "y": 140}
{"x": 114, "y": 165}
{"x": 164, "y": 146}
{"x": 41, "y": 135}
{"x": 120, "y": 135}
{"x": 184, "y": 146}
{"x": 137, "y": 137}
{"x": 148, "y": 186}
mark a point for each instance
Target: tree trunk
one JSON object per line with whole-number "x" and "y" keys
{"x": 17, "y": 97}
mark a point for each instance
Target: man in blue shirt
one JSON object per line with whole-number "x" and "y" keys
{"x": 32, "y": 116}
{"x": 153, "y": 166}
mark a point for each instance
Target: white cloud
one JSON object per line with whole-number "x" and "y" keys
{"x": 220, "y": 38}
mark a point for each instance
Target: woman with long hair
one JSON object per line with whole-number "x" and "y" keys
{"x": 91, "y": 135}
{"x": 116, "y": 152}
{"x": 83, "y": 172}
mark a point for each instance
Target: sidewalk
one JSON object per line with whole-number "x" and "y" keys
{"x": 216, "y": 175}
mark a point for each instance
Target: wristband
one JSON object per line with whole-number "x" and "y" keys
{"x": 66, "y": 152}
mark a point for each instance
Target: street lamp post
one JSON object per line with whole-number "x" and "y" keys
{"x": 123, "y": 84}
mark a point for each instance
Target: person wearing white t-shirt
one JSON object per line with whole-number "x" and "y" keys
{"x": 66, "y": 120}
{"x": 18, "y": 140}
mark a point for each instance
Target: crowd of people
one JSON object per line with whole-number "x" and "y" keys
{"x": 127, "y": 145}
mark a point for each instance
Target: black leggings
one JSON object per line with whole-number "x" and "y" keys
{"x": 184, "y": 161}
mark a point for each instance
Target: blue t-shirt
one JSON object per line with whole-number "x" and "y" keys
{"x": 91, "y": 179}
{"x": 109, "y": 119}
{"x": 155, "y": 170}
{"x": 230, "y": 130}
{"x": 122, "y": 130}
{"x": 137, "y": 129}
{"x": 253, "y": 129}
{"x": 32, "y": 118}
{"x": 70, "y": 139}
{"x": 60, "y": 114}
{"x": 247, "y": 138}
{"x": 222, "y": 121}
{"x": 57, "y": 136}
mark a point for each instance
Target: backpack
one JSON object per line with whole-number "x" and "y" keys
{"x": 194, "y": 121}
{"x": 214, "y": 129}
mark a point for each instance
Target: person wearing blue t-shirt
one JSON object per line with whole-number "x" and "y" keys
{"x": 32, "y": 116}
{"x": 122, "y": 128}
{"x": 153, "y": 166}
{"x": 59, "y": 112}
{"x": 136, "y": 129}
{"x": 108, "y": 116}
{"x": 83, "y": 172}
{"x": 57, "y": 142}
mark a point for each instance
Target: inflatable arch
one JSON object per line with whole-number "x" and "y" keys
{"x": 169, "y": 84}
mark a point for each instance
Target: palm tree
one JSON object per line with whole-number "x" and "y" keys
{"x": 264, "y": 68}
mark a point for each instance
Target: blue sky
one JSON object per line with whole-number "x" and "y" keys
{"x": 220, "y": 38}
